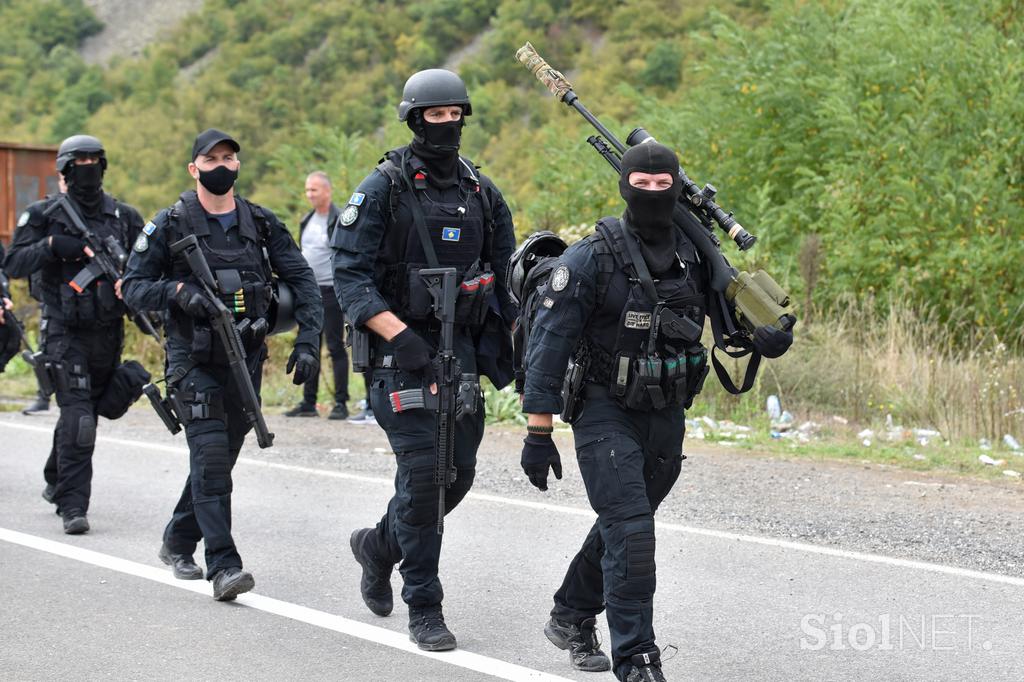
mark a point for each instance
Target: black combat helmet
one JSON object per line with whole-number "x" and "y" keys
{"x": 433, "y": 88}
{"x": 78, "y": 146}
{"x": 534, "y": 249}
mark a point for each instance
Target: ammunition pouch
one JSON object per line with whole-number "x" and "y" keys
{"x": 471, "y": 305}
{"x": 96, "y": 304}
{"x": 648, "y": 382}
{"x": 252, "y": 300}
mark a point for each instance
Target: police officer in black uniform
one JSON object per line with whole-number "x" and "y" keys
{"x": 424, "y": 206}
{"x": 10, "y": 339}
{"x": 629, "y": 301}
{"x": 82, "y": 331}
{"x": 244, "y": 245}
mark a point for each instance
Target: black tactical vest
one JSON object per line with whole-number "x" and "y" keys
{"x": 458, "y": 222}
{"x": 97, "y": 304}
{"x": 646, "y": 349}
{"x": 242, "y": 272}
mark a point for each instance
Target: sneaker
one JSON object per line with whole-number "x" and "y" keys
{"x": 231, "y": 582}
{"x": 375, "y": 583}
{"x": 39, "y": 405}
{"x": 645, "y": 668}
{"x": 75, "y": 522}
{"x": 302, "y": 410}
{"x": 365, "y": 416}
{"x": 339, "y": 412}
{"x": 183, "y": 566}
{"x": 582, "y": 642}
{"x": 427, "y": 629}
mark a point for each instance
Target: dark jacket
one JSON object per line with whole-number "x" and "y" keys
{"x": 332, "y": 220}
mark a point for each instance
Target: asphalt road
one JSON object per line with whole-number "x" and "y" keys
{"x": 738, "y": 606}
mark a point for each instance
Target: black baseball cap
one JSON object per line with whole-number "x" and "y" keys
{"x": 210, "y": 138}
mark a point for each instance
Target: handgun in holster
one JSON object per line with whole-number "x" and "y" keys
{"x": 572, "y": 388}
{"x": 163, "y": 408}
{"x": 360, "y": 342}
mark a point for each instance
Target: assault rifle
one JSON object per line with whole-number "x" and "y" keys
{"x": 758, "y": 300}
{"x": 456, "y": 392}
{"x": 108, "y": 259}
{"x": 230, "y": 337}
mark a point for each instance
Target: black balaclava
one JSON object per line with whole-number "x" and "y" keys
{"x": 218, "y": 180}
{"x": 649, "y": 212}
{"x": 437, "y": 145}
{"x": 85, "y": 185}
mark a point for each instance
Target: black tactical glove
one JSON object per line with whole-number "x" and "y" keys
{"x": 195, "y": 302}
{"x": 539, "y": 453}
{"x": 303, "y": 360}
{"x": 771, "y": 342}
{"x": 66, "y": 247}
{"x": 412, "y": 353}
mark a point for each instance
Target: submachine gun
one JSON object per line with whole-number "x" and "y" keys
{"x": 456, "y": 392}
{"x": 109, "y": 259}
{"x": 170, "y": 409}
{"x": 757, "y": 299}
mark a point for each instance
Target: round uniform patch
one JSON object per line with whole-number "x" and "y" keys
{"x": 349, "y": 215}
{"x": 142, "y": 243}
{"x": 23, "y": 219}
{"x": 560, "y": 278}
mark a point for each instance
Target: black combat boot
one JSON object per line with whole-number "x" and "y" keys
{"x": 427, "y": 629}
{"x": 644, "y": 668}
{"x": 75, "y": 522}
{"x": 40, "y": 404}
{"x": 302, "y": 410}
{"x": 375, "y": 584}
{"x": 183, "y": 566}
{"x": 582, "y": 642}
{"x": 231, "y": 582}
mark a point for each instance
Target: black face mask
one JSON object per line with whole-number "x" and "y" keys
{"x": 85, "y": 185}
{"x": 218, "y": 181}
{"x": 437, "y": 145}
{"x": 649, "y": 212}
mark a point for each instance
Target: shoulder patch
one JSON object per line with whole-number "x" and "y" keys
{"x": 560, "y": 278}
{"x": 357, "y": 199}
{"x": 149, "y": 228}
{"x": 23, "y": 219}
{"x": 142, "y": 243}
{"x": 349, "y": 215}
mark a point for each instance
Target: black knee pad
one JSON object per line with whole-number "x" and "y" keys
{"x": 85, "y": 431}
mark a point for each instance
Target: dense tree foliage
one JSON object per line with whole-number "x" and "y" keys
{"x": 874, "y": 146}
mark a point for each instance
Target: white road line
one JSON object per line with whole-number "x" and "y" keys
{"x": 303, "y": 614}
{"x": 579, "y": 511}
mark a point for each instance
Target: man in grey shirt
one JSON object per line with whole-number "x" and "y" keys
{"x": 315, "y": 229}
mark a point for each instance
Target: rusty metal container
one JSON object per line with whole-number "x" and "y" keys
{"x": 27, "y": 173}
